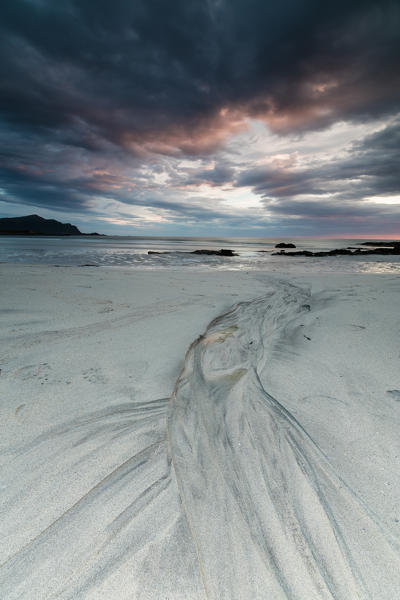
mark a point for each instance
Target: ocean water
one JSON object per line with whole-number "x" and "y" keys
{"x": 132, "y": 252}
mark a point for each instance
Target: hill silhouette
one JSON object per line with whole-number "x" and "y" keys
{"x": 36, "y": 225}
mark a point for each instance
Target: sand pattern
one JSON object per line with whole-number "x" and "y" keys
{"x": 218, "y": 491}
{"x": 269, "y": 514}
{"x": 134, "y": 507}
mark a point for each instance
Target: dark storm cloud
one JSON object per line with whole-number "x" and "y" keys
{"x": 46, "y": 190}
{"x": 340, "y": 188}
{"x": 126, "y": 70}
{"x": 218, "y": 175}
{"x": 371, "y": 168}
{"x": 338, "y": 210}
{"x": 91, "y": 87}
{"x": 386, "y": 141}
{"x": 279, "y": 183}
{"x": 30, "y": 189}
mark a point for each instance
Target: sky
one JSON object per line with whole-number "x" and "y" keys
{"x": 202, "y": 117}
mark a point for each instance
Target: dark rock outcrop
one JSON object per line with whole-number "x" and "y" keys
{"x": 285, "y": 245}
{"x": 381, "y": 244}
{"x": 391, "y": 248}
{"x": 221, "y": 252}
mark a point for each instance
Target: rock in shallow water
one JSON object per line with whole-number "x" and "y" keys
{"x": 285, "y": 245}
{"x": 393, "y": 251}
{"x": 221, "y": 252}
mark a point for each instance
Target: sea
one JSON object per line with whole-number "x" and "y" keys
{"x": 132, "y": 252}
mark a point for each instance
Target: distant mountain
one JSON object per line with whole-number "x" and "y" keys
{"x": 35, "y": 225}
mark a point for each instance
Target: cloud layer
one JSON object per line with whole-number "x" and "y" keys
{"x": 142, "y": 105}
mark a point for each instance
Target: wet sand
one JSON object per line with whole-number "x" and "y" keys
{"x": 140, "y": 460}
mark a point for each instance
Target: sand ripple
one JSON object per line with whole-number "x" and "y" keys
{"x": 219, "y": 492}
{"x": 270, "y": 516}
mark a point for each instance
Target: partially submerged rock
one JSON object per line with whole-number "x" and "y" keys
{"x": 381, "y": 244}
{"x": 392, "y": 249}
{"x": 222, "y": 252}
{"x": 285, "y": 245}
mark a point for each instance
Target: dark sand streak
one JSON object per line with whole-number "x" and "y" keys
{"x": 268, "y": 512}
{"x": 233, "y": 499}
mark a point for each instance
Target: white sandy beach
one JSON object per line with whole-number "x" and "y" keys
{"x": 259, "y": 462}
